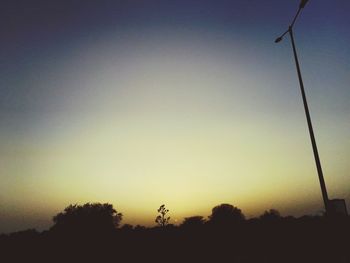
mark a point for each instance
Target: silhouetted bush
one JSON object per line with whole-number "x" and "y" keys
{"x": 226, "y": 237}
{"x": 162, "y": 220}
{"x": 127, "y": 227}
{"x": 226, "y": 214}
{"x": 140, "y": 228}
{"x": 193, "y": 222}
{"x": 270, "y": 215}
{"x": 88, "y": 218}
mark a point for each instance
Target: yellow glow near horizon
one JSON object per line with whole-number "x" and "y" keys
{"x": 189, "y": 129}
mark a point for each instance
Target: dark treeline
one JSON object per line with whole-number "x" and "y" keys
{"x": 94, "y": 233}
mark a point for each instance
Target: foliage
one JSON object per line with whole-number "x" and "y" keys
{"x": 226, "y": 214}
{"x": 271, "y": 215}
{"x": 162, "y": 220}
{"x": 88, "y": 218}
{"x": 193, "y": 222}
{"x": 127, "y": 227}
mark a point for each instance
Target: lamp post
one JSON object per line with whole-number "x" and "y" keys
{"x": 306, "y": 108}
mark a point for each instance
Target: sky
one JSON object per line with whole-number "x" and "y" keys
{"x": 184, "y": 103}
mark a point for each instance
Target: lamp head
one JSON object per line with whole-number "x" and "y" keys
{"x": 303, "y": 3}
{"x": 279, "y": 39}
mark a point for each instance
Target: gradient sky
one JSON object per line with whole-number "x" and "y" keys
{"x": 186, "y": 103}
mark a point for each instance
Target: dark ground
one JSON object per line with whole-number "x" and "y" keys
{"x": 307, "y": 239}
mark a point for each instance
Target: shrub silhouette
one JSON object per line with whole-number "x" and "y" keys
{"x": 89, "y": 218}
{"x": 127, "y": 227}
{"x": 86, "y": 233}
{"x": 193, "y": 222}
{"x": 161, "y": 219}
{"x": 226, "y": 214}
{"x": 270, "y": 215}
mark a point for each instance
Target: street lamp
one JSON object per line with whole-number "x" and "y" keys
{"x": 306, "y": 108}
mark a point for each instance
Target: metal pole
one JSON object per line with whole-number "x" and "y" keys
{"x": 308, "y": 118}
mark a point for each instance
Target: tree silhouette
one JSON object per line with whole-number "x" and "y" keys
{"x": 127, "y": 227}
{"x": 161, "y": 219}
{"x": 86, "y": 233}
{"x": 193, "y": 222}
{"x": 271, "y": 215}
{"x": 88, "y": 218}
{"x": 226, "y": 214}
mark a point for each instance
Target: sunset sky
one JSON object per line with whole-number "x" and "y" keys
{"x": 183, "y": 102}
